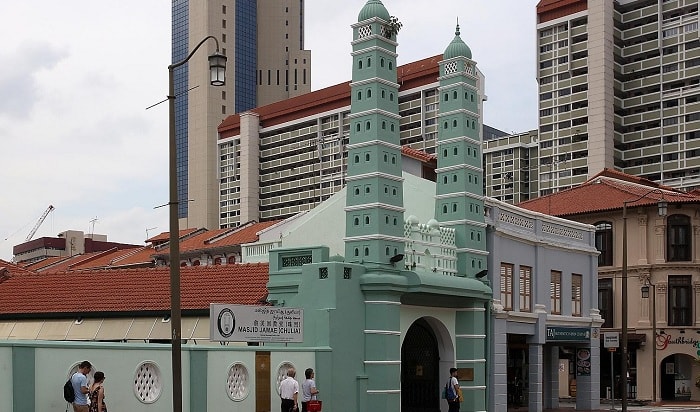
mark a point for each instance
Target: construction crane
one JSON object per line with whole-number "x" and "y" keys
{"x": 39, "y": 222}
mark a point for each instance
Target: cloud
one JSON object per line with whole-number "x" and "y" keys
{"x": 18, "y": 78}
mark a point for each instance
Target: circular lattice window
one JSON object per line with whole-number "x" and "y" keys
{"x": 237, "y": 382}
{"x": 147, "y": 386}
{"x": 282, "y": 373}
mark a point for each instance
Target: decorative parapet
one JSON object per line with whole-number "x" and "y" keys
{"x": 258, "y": 252}
{"x": 516, "y": 220}
{"x": 506, "y": 217}
{"x": 562, "y": 231}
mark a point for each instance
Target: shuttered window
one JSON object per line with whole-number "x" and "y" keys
{"x": 525, "y": 289}
{"x": 507, "y": 286}
{"x": 576, "y": 282}
{"x": 555, "y": 293}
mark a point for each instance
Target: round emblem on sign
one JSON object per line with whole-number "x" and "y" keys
{"x": 226, "y": 323}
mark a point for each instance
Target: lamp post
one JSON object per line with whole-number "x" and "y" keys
{"x": 217, "y": 68}
{"x": 645, "y": 294}
{"x": 663, "y": 205}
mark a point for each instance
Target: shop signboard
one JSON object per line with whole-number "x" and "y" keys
{"x": 243, "y": 323}
{"x": 567, "y": 334}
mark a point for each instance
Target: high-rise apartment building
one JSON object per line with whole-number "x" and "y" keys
{"x": 619, "y": 87}
{"x": 264, "y": 42}
{"x": 287, "y": 157}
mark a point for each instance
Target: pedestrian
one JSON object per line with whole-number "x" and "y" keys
{"x": 97, "y": 393}
{"x": 308, "y": 389}
{"x": 452, "y": 391}
{"x": 289, "y": 392}
{"x": 79, "y": 381}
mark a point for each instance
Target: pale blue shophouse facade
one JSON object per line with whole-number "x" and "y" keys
{"x": 389, "y": 272}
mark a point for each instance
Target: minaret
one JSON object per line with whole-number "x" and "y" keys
{"x": 459, "y": 200}
{"x": 374, "y": 205}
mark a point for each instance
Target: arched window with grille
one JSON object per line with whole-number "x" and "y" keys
{"x": 678, "y": 240}
{"x": 604, "y": 243}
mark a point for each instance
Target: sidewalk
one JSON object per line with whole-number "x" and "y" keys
{"x": 607, "y": 407}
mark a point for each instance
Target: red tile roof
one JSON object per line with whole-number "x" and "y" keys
{"x": 606, "y": 191}
{"x": 165, "y": 236}
{"x": 418, "y": 154}
{"x": 213, "y": 239}
{"x": 139, "y": 257}
{"x": 553, "y": 9}
{"x": 130, "y": 290}
{"x": 191, "y": 240}
{"x": 409, "y": 75}
{"x": 9, "y": 269}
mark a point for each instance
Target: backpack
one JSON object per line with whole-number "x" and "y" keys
{"x": 449, "y": 391}
{"x": 68, "y": 391}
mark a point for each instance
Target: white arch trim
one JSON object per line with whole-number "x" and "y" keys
{"x": 381, "y": 302}
{"x": 382, "y": 332}
{"x": 382, "y": 362}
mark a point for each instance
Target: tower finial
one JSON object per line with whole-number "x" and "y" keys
{"x": 457, "y": 30}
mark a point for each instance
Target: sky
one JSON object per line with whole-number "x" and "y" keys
{"x": 77, "y": 76}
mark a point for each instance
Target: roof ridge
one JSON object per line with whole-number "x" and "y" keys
{"x": 130, "y": 252}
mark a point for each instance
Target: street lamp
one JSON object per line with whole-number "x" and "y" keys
{"x": 663, "y": 206}
{"x": 645, "y": 295}
{"x": 217, "y": 69}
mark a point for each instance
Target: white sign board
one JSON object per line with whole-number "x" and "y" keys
{"x": 242, "y": 323}
{"x": 611, "y": 340}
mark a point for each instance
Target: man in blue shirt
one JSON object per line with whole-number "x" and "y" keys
{"x": 80, "y": 386}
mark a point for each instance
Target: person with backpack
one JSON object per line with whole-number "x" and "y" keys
{"x": 452, "y": 391}
{"x": 79, "y": 381}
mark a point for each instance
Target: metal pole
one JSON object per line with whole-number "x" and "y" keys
{"x": 653, "y": 348}
{"x": 623, "y": 358}
{"x": 175, "y": 312}
{"x": 612, "y": 381}
{"x": 175, "y": 309}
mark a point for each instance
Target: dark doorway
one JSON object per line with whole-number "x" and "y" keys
{"x": 668, "y": 379}
{"x": 420, "y": 386}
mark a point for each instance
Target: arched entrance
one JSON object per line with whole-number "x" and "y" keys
{"x": 676, "y": 377}
{"x": 420, "y": 369}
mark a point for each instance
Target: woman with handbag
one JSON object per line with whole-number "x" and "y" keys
{"x": 309, "y": 403}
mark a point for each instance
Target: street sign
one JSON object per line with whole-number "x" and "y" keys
{"x": 612, "y": 349}
{"x": 611, "y": 340}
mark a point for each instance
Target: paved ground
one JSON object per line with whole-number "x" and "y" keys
{"x": 607, "y": 407}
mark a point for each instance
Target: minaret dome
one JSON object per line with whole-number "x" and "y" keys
{"x": 457, "y": 48}
{"x": 373, "y": 8}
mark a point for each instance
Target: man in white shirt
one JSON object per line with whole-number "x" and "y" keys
{"x": 289, "y": 392}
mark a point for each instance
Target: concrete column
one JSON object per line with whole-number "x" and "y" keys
{"x": 588, "y": 387}
{"x": 470, "y": 346}
{"x": 660, "y": 240}
{"x": 536, "y": 376}
{"x": 661, "y": 291}
{"x": 642, "y": 223}
{"x": 549, "y": 358}
{"x": 382, "y": 342}
{"x": 498, "y": 373}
